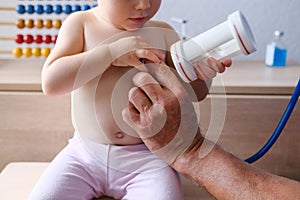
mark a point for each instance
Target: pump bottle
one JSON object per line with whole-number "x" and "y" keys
{"x": 276, "y": 51}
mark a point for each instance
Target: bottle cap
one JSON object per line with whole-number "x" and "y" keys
{"x": 278, "y": 33}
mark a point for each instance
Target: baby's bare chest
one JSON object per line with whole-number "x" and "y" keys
{"x": 111, "y": 97}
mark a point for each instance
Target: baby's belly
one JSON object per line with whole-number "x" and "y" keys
{"x": 102, "y": 102}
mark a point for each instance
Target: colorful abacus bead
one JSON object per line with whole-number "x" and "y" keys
{"x": 57, "y": 9}
{"x": 28, "y": 39}
{"x": 85, "y": 7}
{"x": 47, "y": 39}
{"x": 19, "y": 39}
{"x": 54, "y": 38}
{"x": 39, "y": 9}
{"x": 76, "y": 8}
{"x": 17, "y": 52}
{"x": 67, "y": 9}
{"x": 27, "y": 52}
{"x": 36, "y": 52}
{"x": 45, "y": 52}
{"x": 29, "y": 9}
{"x": 38, "y": 39}
{"x": 48, "y": 23}
{"x": 38, "y": 24}
{"x": 29, "y": 23}
{"x": 48, "y": 9}
{"x": 20, "y": 23}
{"x": 56, "y": 23}
{"x": 20, "y": 9}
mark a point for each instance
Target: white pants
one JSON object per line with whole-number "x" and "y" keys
{"x": 84, "y": 170}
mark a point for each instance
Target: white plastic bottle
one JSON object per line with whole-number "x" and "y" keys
{"x": 276, "y": 51}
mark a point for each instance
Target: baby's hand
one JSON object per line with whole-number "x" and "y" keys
{"x": 209, "y": 69}
{"x": 130, "y": 50}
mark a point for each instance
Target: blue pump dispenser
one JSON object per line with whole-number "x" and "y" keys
{"x": 276, "y": 51}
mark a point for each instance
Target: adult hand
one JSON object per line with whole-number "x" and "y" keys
{"x": 161, "y": 111}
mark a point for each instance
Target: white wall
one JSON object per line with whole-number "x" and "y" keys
{"x": 264, "y": 17}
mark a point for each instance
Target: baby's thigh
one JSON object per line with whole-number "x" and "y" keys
{"x": 68, "y": 178}
{"x": 162, "y": 184}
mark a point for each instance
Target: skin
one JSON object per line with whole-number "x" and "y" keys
{"x": 91, "y": 59}
{"x": 219, "y": 172}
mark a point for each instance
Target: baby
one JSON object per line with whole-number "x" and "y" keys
{"x": 95, "y": 57}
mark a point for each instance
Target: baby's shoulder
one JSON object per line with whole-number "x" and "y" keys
{"x": 79, "y": 18}
{"x": 74, "y": 19}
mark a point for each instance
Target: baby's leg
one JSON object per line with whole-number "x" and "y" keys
{"x": 72, "y": 175}
{"x": 163, "y": 184}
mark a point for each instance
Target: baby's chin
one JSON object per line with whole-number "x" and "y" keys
{"x": 132, "y": 29}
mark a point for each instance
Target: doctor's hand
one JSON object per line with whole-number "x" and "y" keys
{"x": 161, "y": 111}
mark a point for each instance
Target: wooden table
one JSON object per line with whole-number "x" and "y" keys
{"x": 255, "y": 78}
{"x": 20, "y": 75}
{"x": 243, "y": 77}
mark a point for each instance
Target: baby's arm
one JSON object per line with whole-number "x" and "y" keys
{"x": 205, "y": 72}
{"x": 69, "y": 66}
{"x": 67, "y": 59}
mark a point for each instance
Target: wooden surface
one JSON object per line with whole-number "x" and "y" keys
{"x": 18, "y": 179}
{"x": 255, "y": 78}
{"x": 20, "y": 75}
{"x": 33, "y": 127}
{"x": 243, "y": 77}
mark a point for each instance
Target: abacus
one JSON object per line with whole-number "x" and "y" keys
{"x": 29, "y": 28}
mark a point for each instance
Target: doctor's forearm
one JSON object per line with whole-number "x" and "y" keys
{"x": 227, "y": 177}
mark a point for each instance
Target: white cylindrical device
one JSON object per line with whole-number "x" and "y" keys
{"x": 225, "y": 40}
